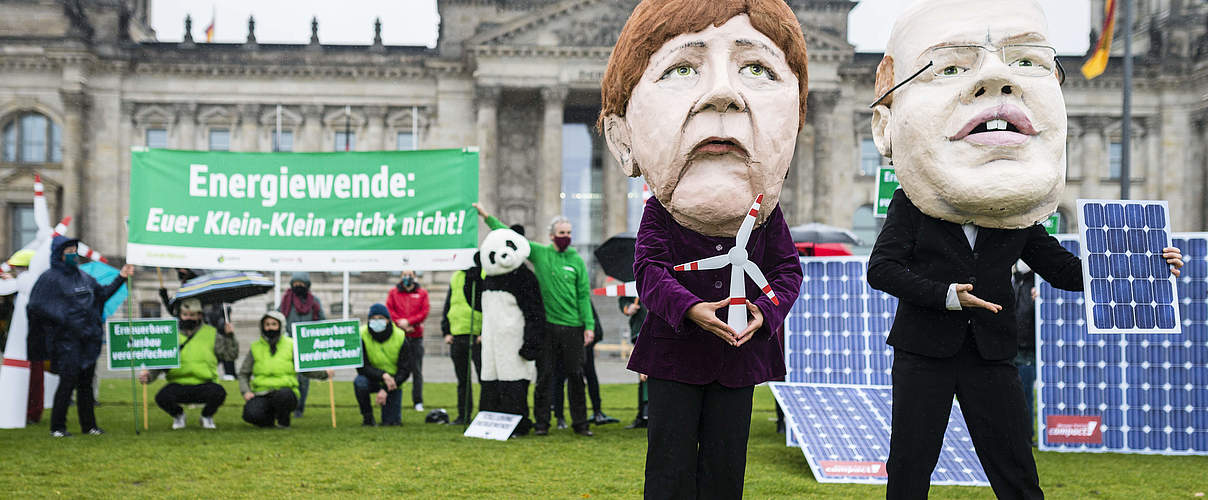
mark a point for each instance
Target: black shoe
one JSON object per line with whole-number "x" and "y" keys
{"x": 561, "y": 423}
{"x": 600, "y": 419}
{"x": 779, "y": 427}
{"x": 638, "y": 423}
{"x": 283, "y": 426}
{"x": 95, "y": 431}
{"x": 368, "y": 422}
{"x": 459, "y": 421}
{"x": 391, "y": 424}
{"x": 585, "y": 432}
{"x": 540, "y": 431}
{"x": 60, "y": 434}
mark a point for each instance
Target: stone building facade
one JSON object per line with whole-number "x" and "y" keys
{"x": 83, "y": 81}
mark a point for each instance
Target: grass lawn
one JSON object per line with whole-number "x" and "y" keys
{"x": 421, "y": 460}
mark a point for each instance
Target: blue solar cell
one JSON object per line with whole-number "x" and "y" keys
{"x": 1157, "y": 241}
{"x": 1117, "y": 241}
{"x": 1120, "y": 266}
{"x": 1142, "y": 291}
{"x": 1099, "y": 266}
{"x": 1138, "y": 266}
{"x": 1155, "y": 216}
{"x": 1096, "y": 240}
{"x": 1115, "y": 215}
{"x": 1092, "y": 214}
{"x": 1137, "y": 242}
{"x": 1134, "y": 215}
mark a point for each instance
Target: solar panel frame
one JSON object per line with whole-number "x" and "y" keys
{"x": 1129, "y": 288}
{"x": 851, "y": 448}
{"x": 1149, "y": 392}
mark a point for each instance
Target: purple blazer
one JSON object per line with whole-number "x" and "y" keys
{"x": 670, "y": 345}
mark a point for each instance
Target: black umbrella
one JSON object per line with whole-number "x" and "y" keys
{"x": 821, "y": 233}
{"x": 615, "y": 256}
{"x": 223, "y": 287}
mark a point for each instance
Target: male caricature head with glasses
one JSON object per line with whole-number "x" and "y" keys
{"x": 970, "y": 111}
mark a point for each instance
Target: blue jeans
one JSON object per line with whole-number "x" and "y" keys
{"x": 392, "y": 412}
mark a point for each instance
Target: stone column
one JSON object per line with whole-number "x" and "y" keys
{"x": 822, "y": 107}
{"x": 486, "y": 100}
{"x": 549, "y": 173}
{"x": 1178, "y": 141}
{"x": 1095, "y": 157}
{"x": 249, "y": 122}
{"x": 75, "y": 106}
{"x": 312, "y": 129}
{"x": 186, "y": 126}
{"x": 615, "y": 189}
{"x": 800, "y": 184}
{"x": 375, "y": 130}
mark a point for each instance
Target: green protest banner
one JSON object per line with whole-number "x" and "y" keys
{"x": 322, "y": 345}
{"x": 364, "y": 211}
{"x": 887, "y": 183}
{"x": 1053, "y": 223}
{"x": 143, "y": 343}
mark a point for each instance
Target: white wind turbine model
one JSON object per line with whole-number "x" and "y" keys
{"x": 736, "y": 258}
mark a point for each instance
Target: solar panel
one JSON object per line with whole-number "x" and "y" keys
{"x": 844, "y": 434}
{"x": 1129, "y": 287}
{"x": 835, "y": 332}
{"x": 1125, "y": 393}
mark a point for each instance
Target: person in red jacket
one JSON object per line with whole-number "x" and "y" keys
{"x": 408, "y": 305}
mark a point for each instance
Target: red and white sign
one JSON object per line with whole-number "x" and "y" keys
{"x": 853, "y": 469}
{"x": 1081, "y": 429}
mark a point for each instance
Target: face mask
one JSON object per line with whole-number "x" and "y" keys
{"x": 407, "y": 282}
{"x": 561, "y": 242}
{"x": 378, "y": 325}
{"x": 71, "y": 259}
{"x": 300, "y": 291}
{"x": 271, "y": 334}
{"x": 189, "y": 324}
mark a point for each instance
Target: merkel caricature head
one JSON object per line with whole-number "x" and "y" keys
{"x": 979, "y": 135}
{"x": 705, "y": 99}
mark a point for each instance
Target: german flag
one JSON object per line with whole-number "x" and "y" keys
{"x": 1097, "y": 63}
{"x": 209, "y": 30}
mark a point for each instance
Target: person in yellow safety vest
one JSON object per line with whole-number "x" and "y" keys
{"x": 267, "y": 378}
{"x": 195, "y": 381}
{"x": 385, "y": 366}
{"x": 461, "y": 324}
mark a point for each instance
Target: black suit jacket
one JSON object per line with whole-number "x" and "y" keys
{"x": 917, "y": 257}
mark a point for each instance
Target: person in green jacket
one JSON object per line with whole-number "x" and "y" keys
{"x": 267, "y": 378}
{"x": 196, "y": 380}
{"x": 565, "y": 289}
{"x": 385, "y": 365}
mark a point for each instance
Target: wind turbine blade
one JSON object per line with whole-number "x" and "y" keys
{"x": 41, "y": 213}
{"x": 744, "y": 231}
{"x": 736, "y": 315}
{"x": 716, "y": 262}
{"x": 628, "y": 289}
{"x": 757, "y": 276}
{"x": 88, "y": 253}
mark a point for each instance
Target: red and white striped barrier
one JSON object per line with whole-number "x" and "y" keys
{"x": 629, "y": 289}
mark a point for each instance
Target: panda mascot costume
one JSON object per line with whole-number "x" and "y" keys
{"x": 513, "y": 319}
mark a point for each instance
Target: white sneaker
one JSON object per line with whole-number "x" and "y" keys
{"x": 419, "y": 407}
{"x": 178, "y": 422}
{"x": 208, "y": 423}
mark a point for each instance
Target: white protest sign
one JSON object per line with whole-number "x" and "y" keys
{"x": 492, "y": 425}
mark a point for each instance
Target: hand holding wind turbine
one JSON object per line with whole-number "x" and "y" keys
{"x": 736, "y": 258}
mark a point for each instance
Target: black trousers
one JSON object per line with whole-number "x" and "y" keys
{"x": 80, "y": 382}
{"x": 464, "y": 347}
{"x": 991, "y": 399}
{"x": 277, "y": 405}
{"x": 563, "y": 343}
{"x": 172, "y": 395}
{"x": 589, "y": 375}
{"x": 507, "y": 397}
{"x": 697, "y": 440}
{"x": 415, "y": 348}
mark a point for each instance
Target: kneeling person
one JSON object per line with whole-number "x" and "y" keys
{"x": 385, "y": 366}
{"x": 195, "y": 381}
{"x": 267, "y": 378}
